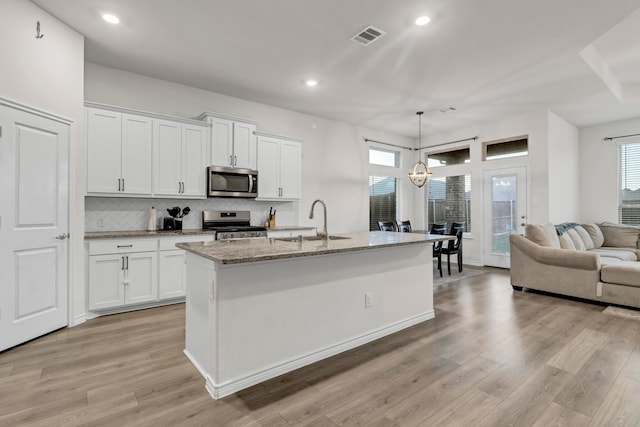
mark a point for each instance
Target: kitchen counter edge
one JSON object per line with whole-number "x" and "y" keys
{"x": 255, "y": 250}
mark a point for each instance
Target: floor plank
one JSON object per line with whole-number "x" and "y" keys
{"x": 491, "y": 356}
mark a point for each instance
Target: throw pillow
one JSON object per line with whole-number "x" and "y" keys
{"x": 595, "y": 233}
{"x": 586, "y": 238}
{"x": 577, "y": 240}
{"x": 566, "y": 242}
{"x": 619, "y": 236}
{"x": 543, "y": 235}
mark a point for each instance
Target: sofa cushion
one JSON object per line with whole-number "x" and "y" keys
{"x": 605, "y": 260}
{"x": 566, "y": 242}
{"x": 623, "y": 254}
{"x": 577, "y": 240}
{"x": 586, "y": 238}
{"x": 543, "y": 235}
{"x": 621, "y": 273}
{"x": 595, "y": 233}
{"x": 620, "y": 236}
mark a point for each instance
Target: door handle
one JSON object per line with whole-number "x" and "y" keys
{"x": 62, "y": 236}
{"x": 522, "y": 224}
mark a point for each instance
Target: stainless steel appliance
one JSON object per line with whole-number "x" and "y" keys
{"x": 230, "y": 225}
{"x": 231, "y": 182}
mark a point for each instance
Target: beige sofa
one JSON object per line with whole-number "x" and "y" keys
{"x": 598, "y": 262}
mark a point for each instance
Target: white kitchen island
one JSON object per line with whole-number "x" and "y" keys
{"x": 259, "y": 308}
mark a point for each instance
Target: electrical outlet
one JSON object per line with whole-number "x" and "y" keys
{"x": 367, "y": 300}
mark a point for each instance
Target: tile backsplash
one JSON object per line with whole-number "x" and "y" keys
{"x": 122, "y": 214}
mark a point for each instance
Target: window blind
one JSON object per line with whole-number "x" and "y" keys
{"x": 629, "y": 207}
{"x": 382, "y": 200}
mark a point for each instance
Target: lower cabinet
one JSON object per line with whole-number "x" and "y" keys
{"x": 124, "y": 273}
{"x": 121, "y": 279}
{"x": 173, "y": 274}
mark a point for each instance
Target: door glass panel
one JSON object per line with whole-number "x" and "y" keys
{"x": 504, "y": 191}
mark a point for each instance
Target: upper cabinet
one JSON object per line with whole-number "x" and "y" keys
{"x": 233, "y": 143}
{"x": 180, "y": 153}
{"x": 118, "y": 153}
{"x": 279, "y": 167}
{"x": 133, "y": 153}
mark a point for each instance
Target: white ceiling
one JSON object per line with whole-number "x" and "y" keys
{"x": 488, "y": 59}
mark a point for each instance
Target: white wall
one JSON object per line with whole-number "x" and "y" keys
{"x": 564, "y": 170}
{"x": 599, "y": 170}
{"x": 535, "y": 126}
{"x": 335, "y": 157}
{"x": 47, "y": 74}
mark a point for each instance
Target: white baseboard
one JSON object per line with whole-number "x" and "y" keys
{"x": 78, "y": 320}
{"x": 124, "y": 309}
{"x": 218, "y": 391}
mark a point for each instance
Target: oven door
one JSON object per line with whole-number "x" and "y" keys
{"x": 231, "y": 182}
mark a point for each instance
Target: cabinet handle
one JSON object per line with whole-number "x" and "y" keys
{"x": 127, "y": 262}
{"x": 230, "y": 160}
{"x": 125, "y": 246}
{"x": 182, "y": 187}
{"x": 235, "y": 160}
{"x": 122, "y": 184}
{"x": 119, "y": 184}
{"x": 122, "y": 268}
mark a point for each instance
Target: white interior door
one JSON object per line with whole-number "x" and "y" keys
{"x": 505, "y": 210}
{"x": 34, "y": 152}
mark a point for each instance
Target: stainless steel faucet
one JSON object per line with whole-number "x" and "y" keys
{"x": 324, "y": 234}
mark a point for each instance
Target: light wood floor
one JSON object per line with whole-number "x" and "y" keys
{"x": 491, "y": 357}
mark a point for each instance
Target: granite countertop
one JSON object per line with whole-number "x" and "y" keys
{"x": 143, "y": 233}
{"x": 290, "y": 227}
{"x": 253, "y": 250}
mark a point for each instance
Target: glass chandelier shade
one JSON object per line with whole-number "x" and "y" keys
{"x": 419, "y": 173}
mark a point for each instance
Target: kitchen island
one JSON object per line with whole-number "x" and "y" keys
{"x": 258, "y": 308}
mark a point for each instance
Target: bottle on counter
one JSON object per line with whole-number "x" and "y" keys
{"x": 153, "y": 219}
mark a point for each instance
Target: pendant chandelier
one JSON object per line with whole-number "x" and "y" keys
{"x": 419, "y": 173}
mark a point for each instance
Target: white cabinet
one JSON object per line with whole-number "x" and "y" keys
{"x": 180, "y": 159}
{"x": 173, "y": 274}
{"x": 279, "y": 167}
{"x": 122, "y": 273}
{"x": 118, "y": 153}
{"x": 137, "y": 270}
{"x": 172, "y": 278}
{"x": 233, "y": 142}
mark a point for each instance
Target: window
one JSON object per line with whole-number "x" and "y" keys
{"x": 382, "y": 200}
{"x": 383, "y": 157}
{"x": 448, "y": 158}
{"x": 629, "y": 205}
{"x": 450, "y": 201}
{"x": 384, "y": 173}
{"x": 505, "y": 148}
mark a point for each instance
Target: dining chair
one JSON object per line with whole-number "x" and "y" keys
{"x": 403, "y": 226}
{"x": 387, "y": 226}
{"x": 455, "y": 246}
{"x": 438, "y": 228}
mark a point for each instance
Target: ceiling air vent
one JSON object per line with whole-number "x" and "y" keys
{"x": 368, "y": 35}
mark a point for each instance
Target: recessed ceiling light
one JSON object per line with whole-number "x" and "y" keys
{"x": 423, "y": 20}
{"x": 311, "y": 83}
{"x": 110, "y": 18}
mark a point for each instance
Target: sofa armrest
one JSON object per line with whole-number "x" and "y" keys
{"x": 581, "y": 260}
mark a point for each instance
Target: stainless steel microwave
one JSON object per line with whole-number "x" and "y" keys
{"x": 231, "y": 182}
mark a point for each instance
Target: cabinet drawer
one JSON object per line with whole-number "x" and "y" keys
{"x": 169, "y": 243}
{"x": 105, "y": 247}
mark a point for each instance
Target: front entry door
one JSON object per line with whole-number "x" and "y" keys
{"x": 505, "y": 207}
{"x": 34, "y": 165}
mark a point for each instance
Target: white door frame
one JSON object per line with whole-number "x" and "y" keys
{"x": 521, "y": 172}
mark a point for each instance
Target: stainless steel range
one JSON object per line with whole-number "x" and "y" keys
{"x": 231, "y": 225}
